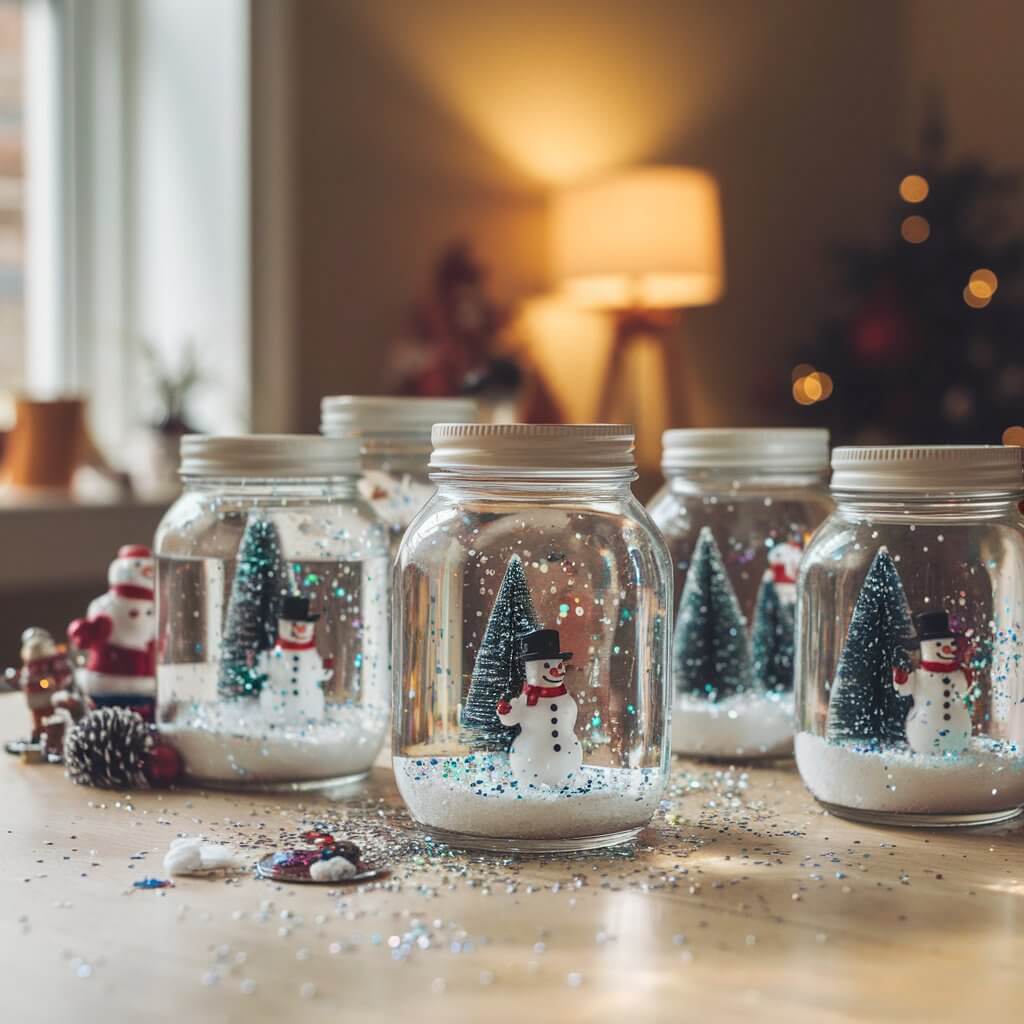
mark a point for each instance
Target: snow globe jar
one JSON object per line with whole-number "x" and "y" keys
{"x": 394, "y": 437}
{"x": 737, "y": 509}
{"x": 273, "y": 597}
{"x": 910, "y": 677}
{"x": 532, "y": 612}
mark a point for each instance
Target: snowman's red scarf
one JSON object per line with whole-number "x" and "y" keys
{"x": 131, "y": 590}
{"x": 534, "y": 693}
{"x": 946, "y": 667}
{"x": 290, "y": 645}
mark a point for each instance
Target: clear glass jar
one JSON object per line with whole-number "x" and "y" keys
{"x": 273, "y": 599}
{"x": 394, "y": 436}
{"x": 509, "y": 735}
{"x": 910, "y": 680}
{"x": 737, "y": 509}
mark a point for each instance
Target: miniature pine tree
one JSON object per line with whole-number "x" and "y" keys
{"x": 499, "y": 672}
{"x": 251, "y": 621}
{"x": 710, "y": 656}
{"x": 771, "y": 641}
{"x": 864, "y": 706}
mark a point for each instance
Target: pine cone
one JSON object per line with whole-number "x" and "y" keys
{"x": 108, "y": 748}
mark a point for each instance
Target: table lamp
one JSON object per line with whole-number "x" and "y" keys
{"x": 642, "y": 244}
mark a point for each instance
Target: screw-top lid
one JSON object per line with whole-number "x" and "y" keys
{"x": 268, "y": 455}
{"x": 929, "y": 469}
{"x": 485, "y": 447}
{"x": 777, "y": 449}
{"x": 384, "y": 416}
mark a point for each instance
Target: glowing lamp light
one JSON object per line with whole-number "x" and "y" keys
{"x": 915, "y": 229}
{"x": 974, "y": 300}
{"x": 1014, "y": 437}
{"x": 649, "y": 238}
{"x": 914, "y": 189}
{"x": 983, "y": 284}
{"x": 813, "y": 386}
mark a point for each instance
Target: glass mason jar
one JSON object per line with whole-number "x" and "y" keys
{"x": 273, "y": 597}
{"x": 910, "y": 681}
{"x": 532, "y": 615}
{"x": 737, "y": 508}
{"x": 394, "y": 436}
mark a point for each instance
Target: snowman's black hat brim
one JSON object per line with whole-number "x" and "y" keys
{"x": 560, "y": 656}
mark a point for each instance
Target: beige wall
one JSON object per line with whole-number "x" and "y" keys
{"x": 419, "y": 122}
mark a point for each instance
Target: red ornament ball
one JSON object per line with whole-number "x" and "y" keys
{"x": 163, "y": 765}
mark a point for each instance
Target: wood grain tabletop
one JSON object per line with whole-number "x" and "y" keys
{"x": 744, "y": 901}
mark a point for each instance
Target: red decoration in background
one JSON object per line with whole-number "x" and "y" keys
{"x": 882, "y": 332}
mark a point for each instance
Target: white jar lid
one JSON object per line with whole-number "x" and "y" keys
{"x": 484, "y": 447}
{"x": 929, "y": 469}
{"x": 777, "y": 449}
{"x": 383, "y": 416}
{"x": 268, "y": 455}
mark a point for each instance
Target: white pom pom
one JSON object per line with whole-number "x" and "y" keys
{"x": 337, "y": 869}
{"x": 192, "y": 855}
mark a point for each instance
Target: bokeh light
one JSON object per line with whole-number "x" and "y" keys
{"x": 914, "y": 189}
{"x": 800, "y": 370}
{"x": 975, "y": 301}
{"x": 813, "y": 386}
{"x": 1014, "y": 436}
{"x": 915, "y": 229}
{"x": 983, "y": 283}
{"x": 824, "y": 381}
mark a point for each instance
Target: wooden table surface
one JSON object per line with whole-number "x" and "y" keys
{"x": 743, "y": 901}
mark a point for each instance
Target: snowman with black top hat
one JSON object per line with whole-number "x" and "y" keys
{"x": 293, "y": 671}
{"x": 940, "y": 720}
{"x": 546, "y": 751}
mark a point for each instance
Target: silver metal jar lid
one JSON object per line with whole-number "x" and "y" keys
{"x": 384, "y": 416}
{"x": 482, "y": 447}
{"x": 777, "y": 449}
{"x": 928, "y": 469}
{"x": 268, "y": 455}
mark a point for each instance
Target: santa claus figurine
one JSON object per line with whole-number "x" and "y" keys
{"x": 940, "y": 720}
{"x": 546, "y": 751}
{"x": 45, "y": 674}
{"x": 119, "y": 634}
{"x": 293, "y": 671}
{"x": 783, "y": 565}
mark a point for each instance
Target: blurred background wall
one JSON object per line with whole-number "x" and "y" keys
{"x": 416, "y": 123}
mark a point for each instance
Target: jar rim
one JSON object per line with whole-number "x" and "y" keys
{"x": 267, "y": 456}
{"x": 384, "y": 416}
{"x": 533, "y": 448}
{"x": 928, "y": 469}
{"x": 769, "y": 449}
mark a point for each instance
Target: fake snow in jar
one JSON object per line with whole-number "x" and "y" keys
{"x": 737, "y": 509}
{"x": 910, "y": 680}
{"x": 532, "y": 612}
{"x": 273, "y": 603}
{"x": 394, "y": 437}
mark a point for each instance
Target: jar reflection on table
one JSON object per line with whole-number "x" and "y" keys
{"x": 273, "y": 591}
{"x": 531, "y": 528}
{"x": 910, "y": 676}
{"x": 737, "y": 508}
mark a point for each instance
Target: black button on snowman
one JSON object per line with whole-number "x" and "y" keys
{"x": 546, "y": 751}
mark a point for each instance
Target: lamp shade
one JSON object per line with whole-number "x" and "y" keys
{"x": 648, "y": 238}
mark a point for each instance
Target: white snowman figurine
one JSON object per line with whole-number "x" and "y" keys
{"x": 783, "y": 566}
{"x": 293, "y": 670}
{"x": 940, "y": 720}
{"x": 119, "y": 634}
{"x": 546, "y": 751}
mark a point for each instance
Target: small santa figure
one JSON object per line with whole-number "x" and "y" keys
{"x": 119, "y": 633}
{"x": 783, "y": 566}
{"x": 45, "y": 675}
{"x": 940, "y": 720}
{"x": 546, "y": 751}
{"x": 293, "y": 671}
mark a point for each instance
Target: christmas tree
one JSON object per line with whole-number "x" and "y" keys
{"x": 710, "y": 656}
{"x": 927, "y": 346}
{"x": 499, "y": 672}
{"x": 251, "y": 621}
{"x": 864, "y": 706}
{"x": 772, "y": 641}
